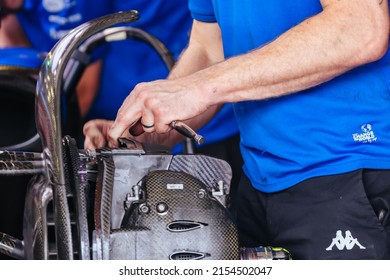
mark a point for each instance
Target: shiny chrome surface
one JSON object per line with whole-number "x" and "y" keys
{"x": 35, "y": 222}
{"x": 49, "y": 86}
{"x": 48, "y": 117}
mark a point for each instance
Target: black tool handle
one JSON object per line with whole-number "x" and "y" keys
{"x": 179, "y": 126}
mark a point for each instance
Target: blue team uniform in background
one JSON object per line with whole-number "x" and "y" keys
{"x": 45, "y": 22}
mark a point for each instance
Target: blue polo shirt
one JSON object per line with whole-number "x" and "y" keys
{"x": 336, "y": 127}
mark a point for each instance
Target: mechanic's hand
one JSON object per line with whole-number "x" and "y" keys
{"x": 156, "y": 104}
{"x": 96, "y": 133}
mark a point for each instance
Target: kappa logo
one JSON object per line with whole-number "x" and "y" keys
{"x": 347, "y": 242}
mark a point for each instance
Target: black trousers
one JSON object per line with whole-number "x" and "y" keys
{"x": 342, "y": 216}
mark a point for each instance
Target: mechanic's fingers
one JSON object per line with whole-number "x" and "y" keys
{"x": 115, "y": 133}
{"x": 147, "y": 121}
{"x": 127, "y": 116}
{"x": 95, "y": 132}
{"x": 94, "y": 143}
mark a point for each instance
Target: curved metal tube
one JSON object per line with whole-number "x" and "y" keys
{"x": 48, "y": 117}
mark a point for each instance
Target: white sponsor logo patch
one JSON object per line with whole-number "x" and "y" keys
{"x": 366, "y": 136}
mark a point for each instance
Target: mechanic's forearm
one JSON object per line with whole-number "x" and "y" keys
{"x": 345, "y": 35}
{"x": 201, "y": 52}
{"x": 204, "y": 49}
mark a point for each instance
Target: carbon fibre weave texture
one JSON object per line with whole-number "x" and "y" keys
{"x": 77, "y": 187}
{"x": 64, "y": 240}
{"x": 205, "y": 168}
{"x": 186, "y": 199}
{"x": 109, "y": 170}
{"x": 103, "y": 197}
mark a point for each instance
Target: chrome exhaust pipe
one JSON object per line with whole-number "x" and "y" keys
{"x": 48, "y": 118}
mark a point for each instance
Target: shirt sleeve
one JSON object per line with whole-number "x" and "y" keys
{"x": 202, "y": 10}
